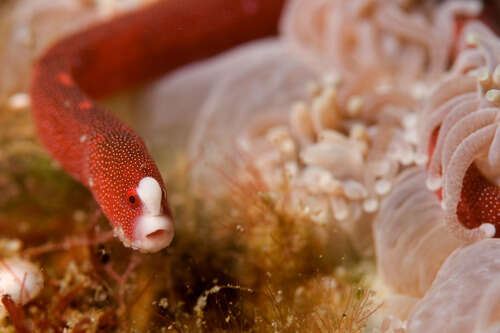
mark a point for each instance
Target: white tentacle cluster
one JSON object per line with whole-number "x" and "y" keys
{"x": 402, "y": 39}
{"x": 464, "y": 110}
{"x": 337, "y": 153}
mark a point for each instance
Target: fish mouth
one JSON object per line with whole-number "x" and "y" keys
{"x": 152, "y": 233}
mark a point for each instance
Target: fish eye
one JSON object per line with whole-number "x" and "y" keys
{"x": 132, "y": 198}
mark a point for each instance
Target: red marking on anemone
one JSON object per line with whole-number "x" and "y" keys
{"x": 432, "y": 147}
{"x": 480, "y": 201}
{"x": 439, "y": 193}
{"x": 432, "y": 144}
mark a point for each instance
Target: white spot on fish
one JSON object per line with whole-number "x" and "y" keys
{"x": 150, "y": 193}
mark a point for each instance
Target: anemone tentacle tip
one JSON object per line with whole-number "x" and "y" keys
{"x": 488, "y": 230}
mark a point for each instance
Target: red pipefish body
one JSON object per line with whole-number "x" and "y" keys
{"x": 90, "y": 142}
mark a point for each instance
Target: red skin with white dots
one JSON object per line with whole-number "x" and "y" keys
{"x": 91, "y": 143}
{"x": 95, "y": 148}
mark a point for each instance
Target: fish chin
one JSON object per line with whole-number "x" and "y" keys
{"x": 152, "y": 233}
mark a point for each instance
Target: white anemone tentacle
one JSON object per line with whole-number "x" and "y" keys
{"x": 489, "y": 56}
{"x": 467, "y": 60}
{"x": 437, "y": 117}
{"x": 442, "y": 94}
{"x": 399, "y": 194}
{"x": 445, "y": 23}
{"x": 448, "y": 89}
{"x": 434, "y": 119}
{"x": 437, "y": 243}
{"x": 414, "y": 204}
{"x": 459, "y": 291}
{"x": 301, "y": 124}
{"x": 411, "y": 238}
{"x": 459, "y": 163}
{"x": 376, "y": 102}
{"x": 462, "y": 129}
{"x": 407, "y": 177}
{"x": 485, "y": 37}
{"x": 369, "y": 48}
{"x": 460, "y": 111}
{"x": 301, "y": 32}
{"x": 392, "y": 19}
{"x": 494, "y": 151}
{"x": 337, "y": 27}
{"x": 487, "y": 320}
{"x": 413, "y": 62}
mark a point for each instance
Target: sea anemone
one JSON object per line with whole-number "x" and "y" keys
{"x": 327, "y": 148}
{"x": 459, "y": 133}
{"x": 399, "y": 41}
